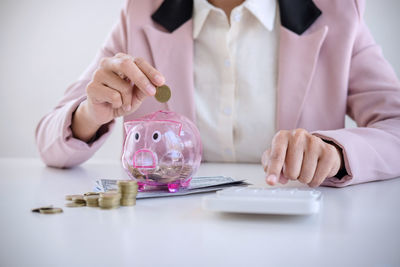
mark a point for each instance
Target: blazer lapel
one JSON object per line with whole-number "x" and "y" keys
{"x": 173, "y": 56}
{"x": 298, "y": 55}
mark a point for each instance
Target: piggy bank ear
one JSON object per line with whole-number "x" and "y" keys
{"x": 129, "y": 125}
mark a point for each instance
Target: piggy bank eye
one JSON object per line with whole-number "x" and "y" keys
{"x": 137, "y": 137}
{"x": 156, "y": 136}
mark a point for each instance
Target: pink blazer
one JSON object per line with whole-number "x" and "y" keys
{"x": 332, "y": 68}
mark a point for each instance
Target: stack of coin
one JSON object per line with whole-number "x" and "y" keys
{"x": 109, "y": 200}
{"x": 128, "y": 190}
{"x": 77, "y": 201}
{"x": 92, "y": 200}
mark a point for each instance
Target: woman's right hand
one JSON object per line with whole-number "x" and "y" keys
{"x": 118, "y": 87}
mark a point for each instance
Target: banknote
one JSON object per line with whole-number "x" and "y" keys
{"x": 197, "y": 185}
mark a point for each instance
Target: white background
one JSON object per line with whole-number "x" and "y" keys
{"x": 45, "y": 45}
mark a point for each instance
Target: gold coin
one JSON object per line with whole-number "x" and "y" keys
{"x": 129, "y": 195}
{"x": 74, "y": 205}
{"x": 128, "y": 190}
{"x": 110, "y": 195}
{"x": 108, "y": 204}
{"x": 92, "y": 201}
{"x": 127, "y": 183}
{"x": 91, "y": 194}
{"x": 79, "y": 199}
{"x": 69, "y": 197}
{"x": 163, "y": 93}
{"x": 91, "y": 198}
{"x": 38, "y": 209}
{"x": 128, "y": 202}
{"x": 50, "y": 210}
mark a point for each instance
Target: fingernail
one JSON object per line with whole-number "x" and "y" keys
{"x": 150, "y": 89}
{"x": 272, "y": 179}
{"x": 159, "y": 79}
{"x": 126, "y": 108}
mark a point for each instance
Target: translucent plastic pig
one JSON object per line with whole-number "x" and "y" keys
{"x": 162, "y": 150}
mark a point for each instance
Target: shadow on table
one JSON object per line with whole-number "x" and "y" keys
{"x": 265, "y": 217}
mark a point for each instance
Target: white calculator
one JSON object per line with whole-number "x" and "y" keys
{"x": 289, "y": 201}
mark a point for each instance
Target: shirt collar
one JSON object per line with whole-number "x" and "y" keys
{"x": 263, "y": 10}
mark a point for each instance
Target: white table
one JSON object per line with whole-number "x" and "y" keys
{"x": 357, "y": 226}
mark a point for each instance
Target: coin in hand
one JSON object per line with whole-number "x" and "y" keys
{"x": 163, "y": 93}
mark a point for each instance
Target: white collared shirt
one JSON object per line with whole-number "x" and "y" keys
{"x": 235, "y": 79}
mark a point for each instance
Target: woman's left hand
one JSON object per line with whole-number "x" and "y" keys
{"x": 299, "y": 155}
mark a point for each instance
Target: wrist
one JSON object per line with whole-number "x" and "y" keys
{"x": 83, "y": 126}
{"x": 342, "y": 169}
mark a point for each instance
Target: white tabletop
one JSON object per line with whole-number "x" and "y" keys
{"x": 357, "y": 225}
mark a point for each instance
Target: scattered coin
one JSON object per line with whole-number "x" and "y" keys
{"x": 50, "y": 210}
{"x": 38, "y": 209}
{"x": 163, "y": 93}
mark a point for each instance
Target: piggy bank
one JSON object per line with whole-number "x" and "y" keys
{"x": 162, "y": 150}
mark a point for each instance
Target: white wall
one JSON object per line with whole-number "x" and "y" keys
{"x": 45, "y": 45}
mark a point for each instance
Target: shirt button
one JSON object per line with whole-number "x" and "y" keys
{"x": 227, "y": 111}
{"x": 227, "y": 63}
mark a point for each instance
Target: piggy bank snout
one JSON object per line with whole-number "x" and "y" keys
{"x": 144, "y": 158}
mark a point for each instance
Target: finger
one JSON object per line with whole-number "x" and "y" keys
{"x": 114, "y": 81}
{"x": 137, "y": 98}
{"x": 283, "y": 179}
{"x": 337, "y": 155}
{"x": 264, "y": 162}
{"x": 102, "y": 94}
{"x": 324, "y": 167}
{"x": 310, "y": 161}
{"x": 154, "y": 75}
{"x": 294, "y": 155}
{"x": 126, "y": 66}
{"x": 277, "y": 157}
{"x": 265, "y": 158}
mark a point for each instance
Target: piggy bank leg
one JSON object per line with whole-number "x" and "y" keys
{"x": 173, "y": 187}
{"x": 141, "y": 186}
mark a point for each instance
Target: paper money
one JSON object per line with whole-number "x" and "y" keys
{"x": 197, "y": 185}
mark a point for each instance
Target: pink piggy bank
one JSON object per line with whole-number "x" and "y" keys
{"x": 161, "y": 150}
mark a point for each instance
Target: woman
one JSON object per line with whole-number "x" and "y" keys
{"x": 256, "y": 76}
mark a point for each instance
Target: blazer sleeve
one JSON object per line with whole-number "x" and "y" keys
{"x": 56, "y": 144}
{"x": 372, "y": 150}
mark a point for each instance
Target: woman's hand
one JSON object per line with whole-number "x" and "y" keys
{"x": 299, "y": 155}
{"x": 118, "y": 88}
